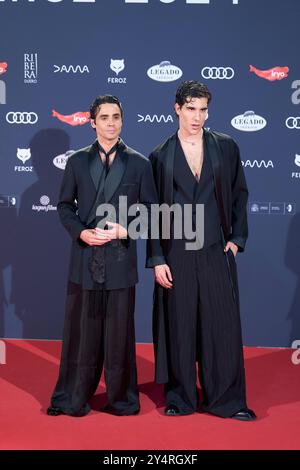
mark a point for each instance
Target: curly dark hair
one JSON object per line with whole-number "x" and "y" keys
{"x": 95, "y": 106}
{"x": 191, "y": 89}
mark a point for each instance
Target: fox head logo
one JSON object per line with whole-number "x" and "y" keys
{"x": 117, "y": 65}
{"x": 297, "y": 159}
{"x": 23, "y": 155}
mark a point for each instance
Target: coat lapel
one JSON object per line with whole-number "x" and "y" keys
{"x": 169, "y": 170}
{"x": 214, "y": 152}
{"x": 116, "y": 172}
{"x": 95, "y": 166}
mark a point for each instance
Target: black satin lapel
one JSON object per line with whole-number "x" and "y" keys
{"x": 96, "y": 167}
{"x": 115, "y": 174}
{"x": 169, "y": 170}
{"x": 213, "y": 150}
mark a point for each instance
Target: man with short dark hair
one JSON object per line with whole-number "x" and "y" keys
{"x": 196, "y": 306}
{"x": 99, "y": 321}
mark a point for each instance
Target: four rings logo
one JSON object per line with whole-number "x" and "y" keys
{"x": 220, "y": 73}
{"x": 293, "y": 122}
{"x": 21, "y": 117}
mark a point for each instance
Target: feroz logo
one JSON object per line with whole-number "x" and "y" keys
{"x": 60, "y": 161}
{"x": 164, "y": 72}
{"x": 30, "y": 68}
{"x": 220, "y": 73}
{"x": 70, "y": 69}
{"x": 23, "y": 155}
{"x": 75, "y": 119}
{"x": 296, "y": 94}
{"x": 45, "y": 205}
{"x": 258, "y": 164}
{"x": 276, "y": 73}
{"x": 155, "y": 117}
{"x": 296, "y": 174}
{"x": 2, "y": 352}
{"x": 248, "y": 122}
{"x": 293, "y": 122}
{"x": 117, "y": 66}
{"x": 18, "y": 117}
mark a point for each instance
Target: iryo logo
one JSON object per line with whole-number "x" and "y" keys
{"x": 276, "y": 73}
{"x": 75, "y": 119}
{"x": 3, "y": 68}
{"x": 2, "y": 352}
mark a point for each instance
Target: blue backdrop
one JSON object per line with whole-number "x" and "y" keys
{"x": 56, "y": 56}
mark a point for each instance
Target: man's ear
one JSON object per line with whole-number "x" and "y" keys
{"x": 93, "y": 124}
{"x": 176, "y": 108}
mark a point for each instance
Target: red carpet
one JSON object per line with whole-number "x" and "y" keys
{"x": 30, "y": 372}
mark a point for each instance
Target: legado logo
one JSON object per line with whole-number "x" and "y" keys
{"x": 276, "y": 73}
{"x": 164, "y": 72}
{"x": 70, "y": 69}
{"x": 258, "y": 164}
{"x": 60, "y": 161}
{"x": 76, "y": 119}
{"x": 248, "y": 122}
{"x": 24, "y": 155}
{"x": 155, "y": 118}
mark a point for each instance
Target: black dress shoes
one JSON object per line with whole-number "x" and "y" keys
{"x": 110, "y": 410}
{"x": 172, "y": 410}
{"x": 245, "y": 415}
{"x": 54, "y": 411}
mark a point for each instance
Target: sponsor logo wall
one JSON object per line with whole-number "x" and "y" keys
{"x": 140, "y": 51}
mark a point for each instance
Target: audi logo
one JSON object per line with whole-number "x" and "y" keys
{"x": 293, "y": 122}
{"x": 21, "y": 117}
{"x": 221, "y": 73}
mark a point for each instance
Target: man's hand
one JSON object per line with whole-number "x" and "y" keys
{"x": 116, "y": 231}
{"x": 231, "y": 246}
{"x": 163, "y": 276}
{"x": 91, "y": 237}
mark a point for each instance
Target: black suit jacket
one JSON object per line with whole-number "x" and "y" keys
{"x": 230, "y": 186}
{"x": 130, "y": 175}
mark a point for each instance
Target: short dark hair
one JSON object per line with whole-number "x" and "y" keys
{"x": 191, "y": 89}
{"x": 95, "y": 106}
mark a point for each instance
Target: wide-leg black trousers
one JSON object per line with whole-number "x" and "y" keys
{"x": 98, "y": 331}
{"x": 203, "y": 325}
